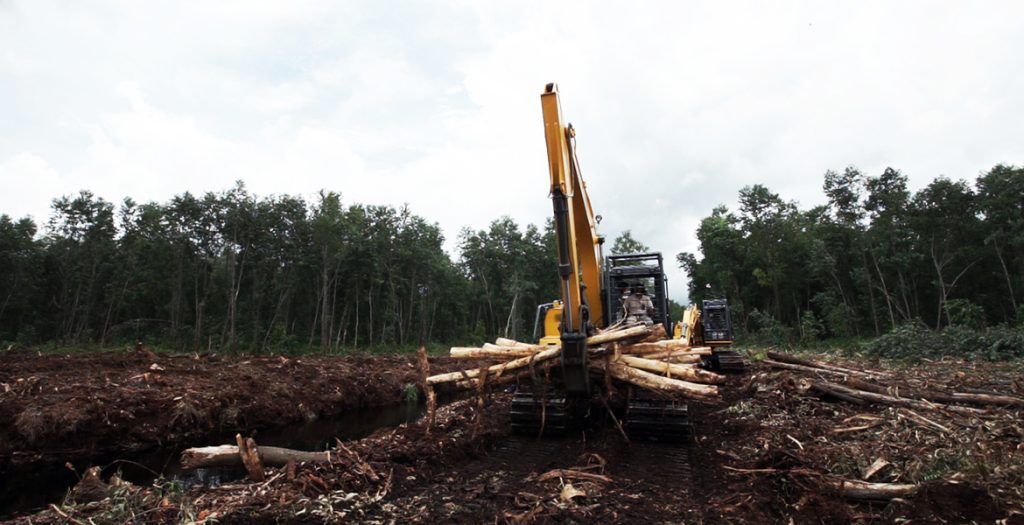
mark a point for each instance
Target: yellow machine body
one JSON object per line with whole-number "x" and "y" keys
{"x": 552, "y": 325}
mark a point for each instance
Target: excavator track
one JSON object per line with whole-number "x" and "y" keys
{"x": 725, "y": 361}
{"x": 539, "y": 413}
{"x": 657, "y": 419}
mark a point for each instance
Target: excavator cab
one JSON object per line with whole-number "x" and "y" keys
{"x": 626, "y": 271}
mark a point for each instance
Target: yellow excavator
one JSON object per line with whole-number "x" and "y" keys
{"x": 591, "y": 288}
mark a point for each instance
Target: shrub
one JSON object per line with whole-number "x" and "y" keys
{"x": 915, "y": 340}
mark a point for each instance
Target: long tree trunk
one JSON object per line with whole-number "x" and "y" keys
{"x": 871, "y": 294}
{"x": 885, "y": 290}
{"x": 1006, "y": 274}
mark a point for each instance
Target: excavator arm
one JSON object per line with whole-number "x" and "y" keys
{"x": 579, "y": 245}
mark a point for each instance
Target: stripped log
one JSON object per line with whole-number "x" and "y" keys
{"x": 657, "y": 334}
{"x": 676, "y": 371}
{"x": 497, "y": 370}
{"x": 692, "y": 352}
{"x": 655, "y": 382}
{"x": 878, "y": 491}
{"x": 835, "y": 389}
{"x": 802, "y": 368}
{"x": 501, "y": 341}
{"x": 521, "y": 374}
{"x": 661, "y": 346}
{"x": 792, "y": 359}
{"x": 227, "y": 456}
{"x": 935, "y": 397}
{"x": 492, "y": 353}
{"x": 618, "y": 335}
{"x": 683, "y": 359}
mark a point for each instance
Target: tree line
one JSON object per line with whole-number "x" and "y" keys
{"x": 875, "y": 257}
{"x": 232, "y": 271}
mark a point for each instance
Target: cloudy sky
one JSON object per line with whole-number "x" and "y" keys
{"x": 677, "y": 105}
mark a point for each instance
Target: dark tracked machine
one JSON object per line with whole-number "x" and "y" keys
{"x": 592, "y": 298}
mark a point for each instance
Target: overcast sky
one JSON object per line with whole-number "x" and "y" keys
{"x": 677, "y": 105}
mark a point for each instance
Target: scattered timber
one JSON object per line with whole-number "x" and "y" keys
{"x": 794, "y": 360}
{"x": 840, "y": 390}
{"x": 935, "y": 397}
{"x": 876, "y": 491}
{"x": 228, "y": 456}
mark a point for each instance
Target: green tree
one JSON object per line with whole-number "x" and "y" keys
{"x": 626, "y": 244}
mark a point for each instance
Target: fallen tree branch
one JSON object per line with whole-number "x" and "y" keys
{"x": 792, "y": 359}
{"x": 835, "y": 389}
{"x": 802, "y": 368}
{"x": 572, "y": 474}
{"x": 930, "y": 395}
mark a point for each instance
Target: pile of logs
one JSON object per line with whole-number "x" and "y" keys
{"x": 638, "y": 355}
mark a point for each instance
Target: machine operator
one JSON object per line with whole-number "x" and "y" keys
{"x": 638, "y": 305}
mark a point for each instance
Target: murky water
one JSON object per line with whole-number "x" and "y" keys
{"x": 27, "y": 491}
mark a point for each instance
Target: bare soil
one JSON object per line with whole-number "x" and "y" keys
{"x": 59, "y": 408}
{"x": 769, "y": 452}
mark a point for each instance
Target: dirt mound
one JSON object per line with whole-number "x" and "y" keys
{"x": 954, "y": 503}
{"x": 68, "y": 407}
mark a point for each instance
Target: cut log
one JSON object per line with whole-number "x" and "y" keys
{"x": 663, "y": 384}
{"x": 227, "y": 456}
{"x": 501, "y": 341}
{"x": 664, "y": 345}
{"x": 493, "y": 352}
{"x": 497, "y": 370}
{"x": 662, "y": 354}
{"x": 929, "y": 395}
{"x": 880, "y": 491}
{"x": 657, "y": 334}
{"x": 792, "y": 359}
{"x": 802, "y": 368}
{"x": 675, "y": 371}
{"x": 618, "y": 335}
{"x": 988, "y": 399}
{"x": 832, "y": 388}
{"x": 682, "y": 359}
{"x": 521, "y": 374}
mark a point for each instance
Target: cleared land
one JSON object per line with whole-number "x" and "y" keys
{"x": 773, "y": 448}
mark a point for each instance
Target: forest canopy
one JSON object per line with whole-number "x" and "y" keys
{"x": 238, "y": 272}
{"x": 876, "y": 257}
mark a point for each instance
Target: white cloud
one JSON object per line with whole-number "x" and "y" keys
{"x": 677, "y": 105}
{"x": 26, "y": 180}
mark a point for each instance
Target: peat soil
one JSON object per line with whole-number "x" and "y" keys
{"x": 770, "y": 451}
{"x": 78, "y": 407}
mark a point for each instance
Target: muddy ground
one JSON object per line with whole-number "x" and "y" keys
{"x": 63, "y": 408}
{"x": 769, "y": 452}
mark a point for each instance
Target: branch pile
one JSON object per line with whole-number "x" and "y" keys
{"x": 638, "y": 355}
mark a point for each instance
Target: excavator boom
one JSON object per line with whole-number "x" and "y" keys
{"x": 579, "y": 245}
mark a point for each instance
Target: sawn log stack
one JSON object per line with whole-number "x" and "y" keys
{"x": 634, "y": 355}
